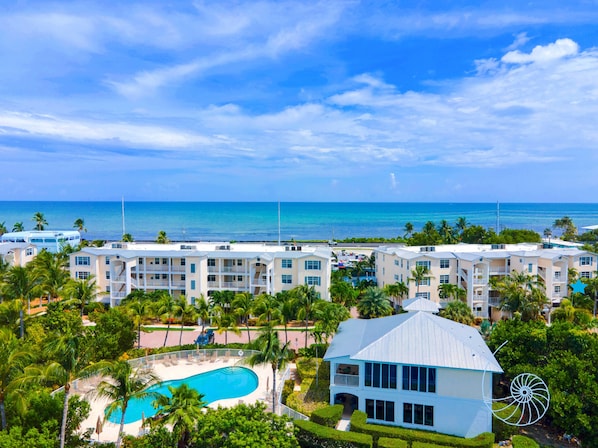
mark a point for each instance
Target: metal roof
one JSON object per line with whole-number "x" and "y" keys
{"x": 415, "y": 338}
{"x": 420, "y": 304}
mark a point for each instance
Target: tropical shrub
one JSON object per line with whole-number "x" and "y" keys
{"x": 312, "y": 435}
{"x": 328, "y": 416}
{"x": 524, "y": 442}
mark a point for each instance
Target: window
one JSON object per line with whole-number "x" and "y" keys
{"x": 312, "y": 280}
{"x": 585, "y": 261}
{"x": 140, "y": 261}
{"x": 211, "y": 278}
{"x": 423, "y": 282}
{"x": 156, "y": 261}
{"x": 424, "y": 263}
{"x": 445, "y": 264}
{"x": 313, "y": 265}
{"x": 107, "y": 260}
{"x": 164, "y": 276}
{"x": 211, "y": 262}
{"x": 287, "y": 279}
{"x": 420, "y": 379}
{"x": 108, "y": 288}
{"x": 444, "y": 279}
{"x": 396, "y": 277}
{"x": 287, "y": 264}
{"x": 192, "y": 284}
{"x": 29, "y": 251}
{"x": 193, "y": 268}
{"x": 81, "y": 275}
{"x": 557, "y": 289}
{"x": 380, "y": 375}
{"x": 557, "y": 275}
{"x": 396, "y": 262}
{"x": 585, "y": 274}
{"x": 424, "y": 295}
{"x": 107, "y": 275}
{"x": 530, "y": 267}
{"x": 183, "y": 262}
{"x": 380, "y": 410}
{"x": 418, "y": 414}
{"x": 82, "y": 261}
{"x": 239, "y": 278}
{"x": 183, "y": 277}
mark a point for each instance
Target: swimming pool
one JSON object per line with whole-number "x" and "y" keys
{"x": 228, "y": 382}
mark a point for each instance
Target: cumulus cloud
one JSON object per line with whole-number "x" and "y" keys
{"x": 557, "y": 50}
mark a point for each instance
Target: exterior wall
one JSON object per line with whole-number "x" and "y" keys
{"x": 17, "y": 256}
{"x": 195, "y": 273}
{"x": 459, "y": 408}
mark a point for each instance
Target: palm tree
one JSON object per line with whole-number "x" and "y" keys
{"x": 67, "y": 350}
{"x": 162, "y": 238}
{"x": 13, "y": 358}
{"x": 243, "y": 304}
{"x": 184, "y": 311}
{"x": 270, "y": 351}
{"x": 419, "y": 274}
{"x": 266, "y": 307}
{"x": 18, "y": 227}
{"x": 408, "y": 230}
{"x": 12, "y": 316}
{"x": 225, "y": 322}
{"x": 446, "y": 232}
{"x": 592, "y": 290}
{"x": 521, "y": 293}
{"x": 459, "y": 312}
{"x": 82, "y": 292}
{"x": 306, "y": 297}
{"x": 374, "y": 303}
{"x": 165, "y": 309}
{"x": 287, "y": 310}
{"x": 181, "y": 410}
{"x": 122, "y": 384}
{"x": 548, "y": 234}
{"x": 397, "y": 290}
{"x": 79, "y": 224}
{"x": 127, "y": 238}
{"x": 344, "y": 293}
{"x": 139, "y": 309}
{"x": 328, "y": 316}
{"x": 461, "y": 225}
{"x": 51, "y": 271}
{"x": 40, "y": 221}
{"x": 202, "y": 309}
{"x": 3, "y": 229}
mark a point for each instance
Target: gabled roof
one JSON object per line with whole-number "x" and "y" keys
{"x": 420, "y": 304}
{"x": 415, "y": 338}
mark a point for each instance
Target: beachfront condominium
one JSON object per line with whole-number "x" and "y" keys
{"x": 197, "y": 269}
{"x": 51, "y": 240}
{"x": 471, "y": 266}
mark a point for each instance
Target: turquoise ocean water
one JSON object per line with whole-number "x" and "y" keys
{"x": 258, "y": 221}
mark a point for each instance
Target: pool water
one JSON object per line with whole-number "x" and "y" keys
{"x": 228, "y": 382}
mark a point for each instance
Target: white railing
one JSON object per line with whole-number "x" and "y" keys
{"x": 284, "y": 409}
{"x": 341, "y": 379}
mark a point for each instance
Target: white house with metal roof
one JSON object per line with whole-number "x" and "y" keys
{"x": 196, "y": 269}
{"x": 415, "y": 370}
{"x": 51, "y": 240}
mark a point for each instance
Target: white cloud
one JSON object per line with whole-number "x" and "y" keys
{"x": 557, "y": 50}
{"x": 393, "y": 181}
{"x": 520, "y": 40}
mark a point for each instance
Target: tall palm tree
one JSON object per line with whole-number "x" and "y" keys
{"x": 243, "y": 305}
{"x": 13, "y": 359}
{"x": 181, "y": 410}
{"x": 82, "y": 292}
{"x": 344, "y": 293}
{"x": 374, "y": 303}
{"x": 328, "y": 316}
{"x": 408, "y": 230}
{"x": 40, "y": 221}
{"x": 306, "y": 297}
{"x": 287, "y": 310}
{"x": 459, "y": 312}
{"x": 162, "y": 238}
{"x": 79, "y": 224}
{"x": 591, "y": 290}
{"x": 419, "y": 274}
{"x": 397, "y": 290}
{"x": 225, "y": 322}
{"x": 270, "y": 351}
{"x": 18, "y": 227}
{"x": 266, "y": 307}
{"x": 127, "y": 238}
{"x": 121, "y": 385}
{"x": 3, "y": 229}
{"x": 69, "y": 359}
{"x": 184, "y": 311}
{"x": 139, "y": 309}
{"x": 12, "y": 316}
{"x": 51, "y": 271}
{"x": 165, "y": 309}
{"x": 522, "y": 293}
{"x": 202, "y": 309}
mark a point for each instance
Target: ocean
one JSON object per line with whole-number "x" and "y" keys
{"x": 258, "y": 221}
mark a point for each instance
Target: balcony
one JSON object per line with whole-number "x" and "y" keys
{"x": 118, "y": 294}
{"x": 346, "y": 380}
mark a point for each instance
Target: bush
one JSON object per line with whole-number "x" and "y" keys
{"x": 312, "y": 435}
{"x": 313, "y": 350}
{"x": 386, "y": 442}
{"x": 287, "y": 389}
{"x": 359, "y": 424}
{"x": 524, "y": 442}
{"x": 328, "y": 416}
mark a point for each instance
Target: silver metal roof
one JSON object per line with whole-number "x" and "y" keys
{"x": 416, "y": 338}
{"x": 420, "y": 304}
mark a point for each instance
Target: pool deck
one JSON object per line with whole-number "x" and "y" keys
{"x": 183, "y": 368}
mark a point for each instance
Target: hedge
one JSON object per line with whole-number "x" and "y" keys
{"x": 359, "y": 424}
{"x": 386, "y": 442}
{"x": 524, "y": 442}
{"x": 287, "y": 389}
{"x": 312, "y": 435}
{"x": 328, "y": 416}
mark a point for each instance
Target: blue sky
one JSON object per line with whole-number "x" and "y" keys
{"x": 299, "y": 101}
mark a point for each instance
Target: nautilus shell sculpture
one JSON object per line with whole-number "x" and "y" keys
{"x": 527, "y": 403}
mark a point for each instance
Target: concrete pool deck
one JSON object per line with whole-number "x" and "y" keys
{"x": 171, "y": 369}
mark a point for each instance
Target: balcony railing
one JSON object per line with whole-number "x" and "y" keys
{"x": 118, "y": 294}
{"x": 346, "y": 380}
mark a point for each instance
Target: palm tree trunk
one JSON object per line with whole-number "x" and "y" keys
{"x": 181, "y": 334}
{"x": 122, "y": 425}
{"x": 273, "y": 390}
{"x": 306, "y": 330}
{"x": 65, "y": 412}
{"x": 248, "y": 333}
{"x": 3, "y": 413}
{"x": 139, "y": 335}
{"x": 286, "y": 336}
{"x": 167, "y": 330}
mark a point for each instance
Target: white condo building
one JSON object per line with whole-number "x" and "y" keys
{"x": 470, "y": 266}
{"x": 51, "y": 240}
{"x": 198, "y": 269}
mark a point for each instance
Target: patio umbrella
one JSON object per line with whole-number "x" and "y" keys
{"x": 99, "y": 426}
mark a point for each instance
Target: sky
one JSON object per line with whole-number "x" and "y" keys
{"x": 369, "y": 101}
